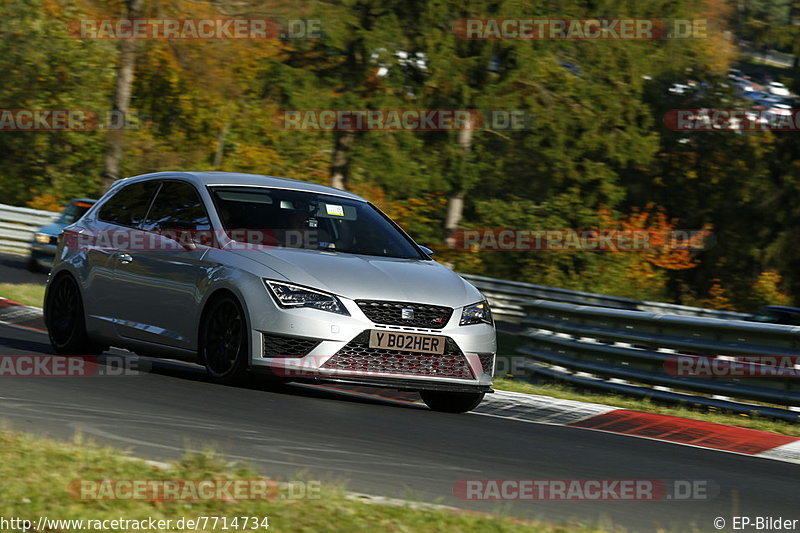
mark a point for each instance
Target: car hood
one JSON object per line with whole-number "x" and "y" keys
{"x": 368, "y": 277}
{"x": 54, "y": 229}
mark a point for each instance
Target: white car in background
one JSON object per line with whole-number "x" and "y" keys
{"x": 745, "y": 85}
{"x": 678, "y": 88}
{"x": 781, "y": 110}
{"x": 778, "y": 89}
{"x": 771, "y": 115}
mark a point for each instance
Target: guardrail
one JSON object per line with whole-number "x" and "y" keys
{"x": 654, "y": 355}
{"x": 771, "y": 57}
{"x": 633, "y": 347}
{"x": 508, "y": 297}
{"x": 17, "y": 225}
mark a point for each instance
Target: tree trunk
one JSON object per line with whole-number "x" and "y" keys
{"x": 220, "y": 152}
{"x": 341, "y": 159}
{"x": 122, "y": 98}
{"x": 455, "y": 210}
{"x": 455, "y": 202}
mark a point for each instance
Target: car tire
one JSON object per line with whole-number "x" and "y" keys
{"x": 224, "y": 346}
{"x": 33, "y": 265}
{"x": 65, "y": 319}
{"x": 451, "y": 402}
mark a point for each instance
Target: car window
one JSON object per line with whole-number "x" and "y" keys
{"x": 302, "y": 219}
{"x": 128, "y": 206}
{"x": 177, "y": 207}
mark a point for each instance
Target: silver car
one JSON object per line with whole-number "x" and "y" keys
{"x": 247, "y": 273}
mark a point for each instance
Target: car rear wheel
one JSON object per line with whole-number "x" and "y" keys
{"x": 64, "y": 318}
{"x": 451, "y": 402}
{"x": 223, "y": 340}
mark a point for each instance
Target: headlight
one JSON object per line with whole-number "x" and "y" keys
{"x": 475, "y": 314}
{"x": 289, "y": 295}
{"x": 42, "y": 238}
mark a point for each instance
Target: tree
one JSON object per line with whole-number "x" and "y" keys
{"x": 122, "y": 96}
{"x": 47, "y": 68}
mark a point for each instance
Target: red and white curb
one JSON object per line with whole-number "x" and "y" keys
{"x": 554, "y": 411}
{"x": 22, "y": 316}
{"x": 598, "y": 417}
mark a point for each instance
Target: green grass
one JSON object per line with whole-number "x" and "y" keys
{"x": 36, "y": 473}
{"x": 568, "y": 393}
{"x": 24, "y": 293}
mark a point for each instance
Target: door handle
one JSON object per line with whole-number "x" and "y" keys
{"x": 125, "y": 258}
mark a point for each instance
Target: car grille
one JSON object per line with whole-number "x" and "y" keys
{"x": 487, "y": 361}
{"x": 281, "y": 346}
{"x": 424, "y": 315}
{"x": 357, "y": 356}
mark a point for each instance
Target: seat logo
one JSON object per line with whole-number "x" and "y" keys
{"x": 407, "y": 314}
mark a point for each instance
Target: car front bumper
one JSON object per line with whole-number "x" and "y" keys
{"x": 313, "y": 345}
{"x": 43, "y": 254}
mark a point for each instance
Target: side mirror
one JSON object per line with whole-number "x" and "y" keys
{"x": 427, "y": 250}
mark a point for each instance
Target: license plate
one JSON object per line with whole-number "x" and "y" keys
{"x": 406, "y": 342}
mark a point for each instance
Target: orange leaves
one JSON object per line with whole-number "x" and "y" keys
{"x": 46, "y": 201}
{"x": 419, "y": 210}
{"x": 643, "y": 269}
{"x": 257, "y": 159}
{"x": 407, "y": 212}
{"x": 767, "y": 291}
{"x": 716, "y": 297}
{"x": 667, "y": 248}
{"x": 718, "y": 46}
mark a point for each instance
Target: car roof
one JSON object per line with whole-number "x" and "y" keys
{"x": 216, "y": 178}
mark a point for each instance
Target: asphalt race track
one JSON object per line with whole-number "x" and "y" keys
{"x": 14, "y": 269}
{"x": 386, "y": 447}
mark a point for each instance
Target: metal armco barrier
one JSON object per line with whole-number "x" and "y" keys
{"x": 17, "y": 225}
{"x": 637, "y": 353}
{"x": 507, "y": 298}
{"x": 625, "y": 346}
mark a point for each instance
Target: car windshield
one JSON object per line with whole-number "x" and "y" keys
{"x": 309, "y": 220}
{"x": 73, "y": 212}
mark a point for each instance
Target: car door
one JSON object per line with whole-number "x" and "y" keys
{"x": 99, "y": 238}
{"x": 159, "y": 279}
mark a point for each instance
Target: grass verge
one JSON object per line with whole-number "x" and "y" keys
{"x": 24, "y": 293}
{"x": 37, "y": 472}
{"x": 624, "y": 402}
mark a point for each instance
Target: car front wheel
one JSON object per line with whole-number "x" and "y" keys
{"x": 223, "y": 340}
{"x": 451, "y": 402}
